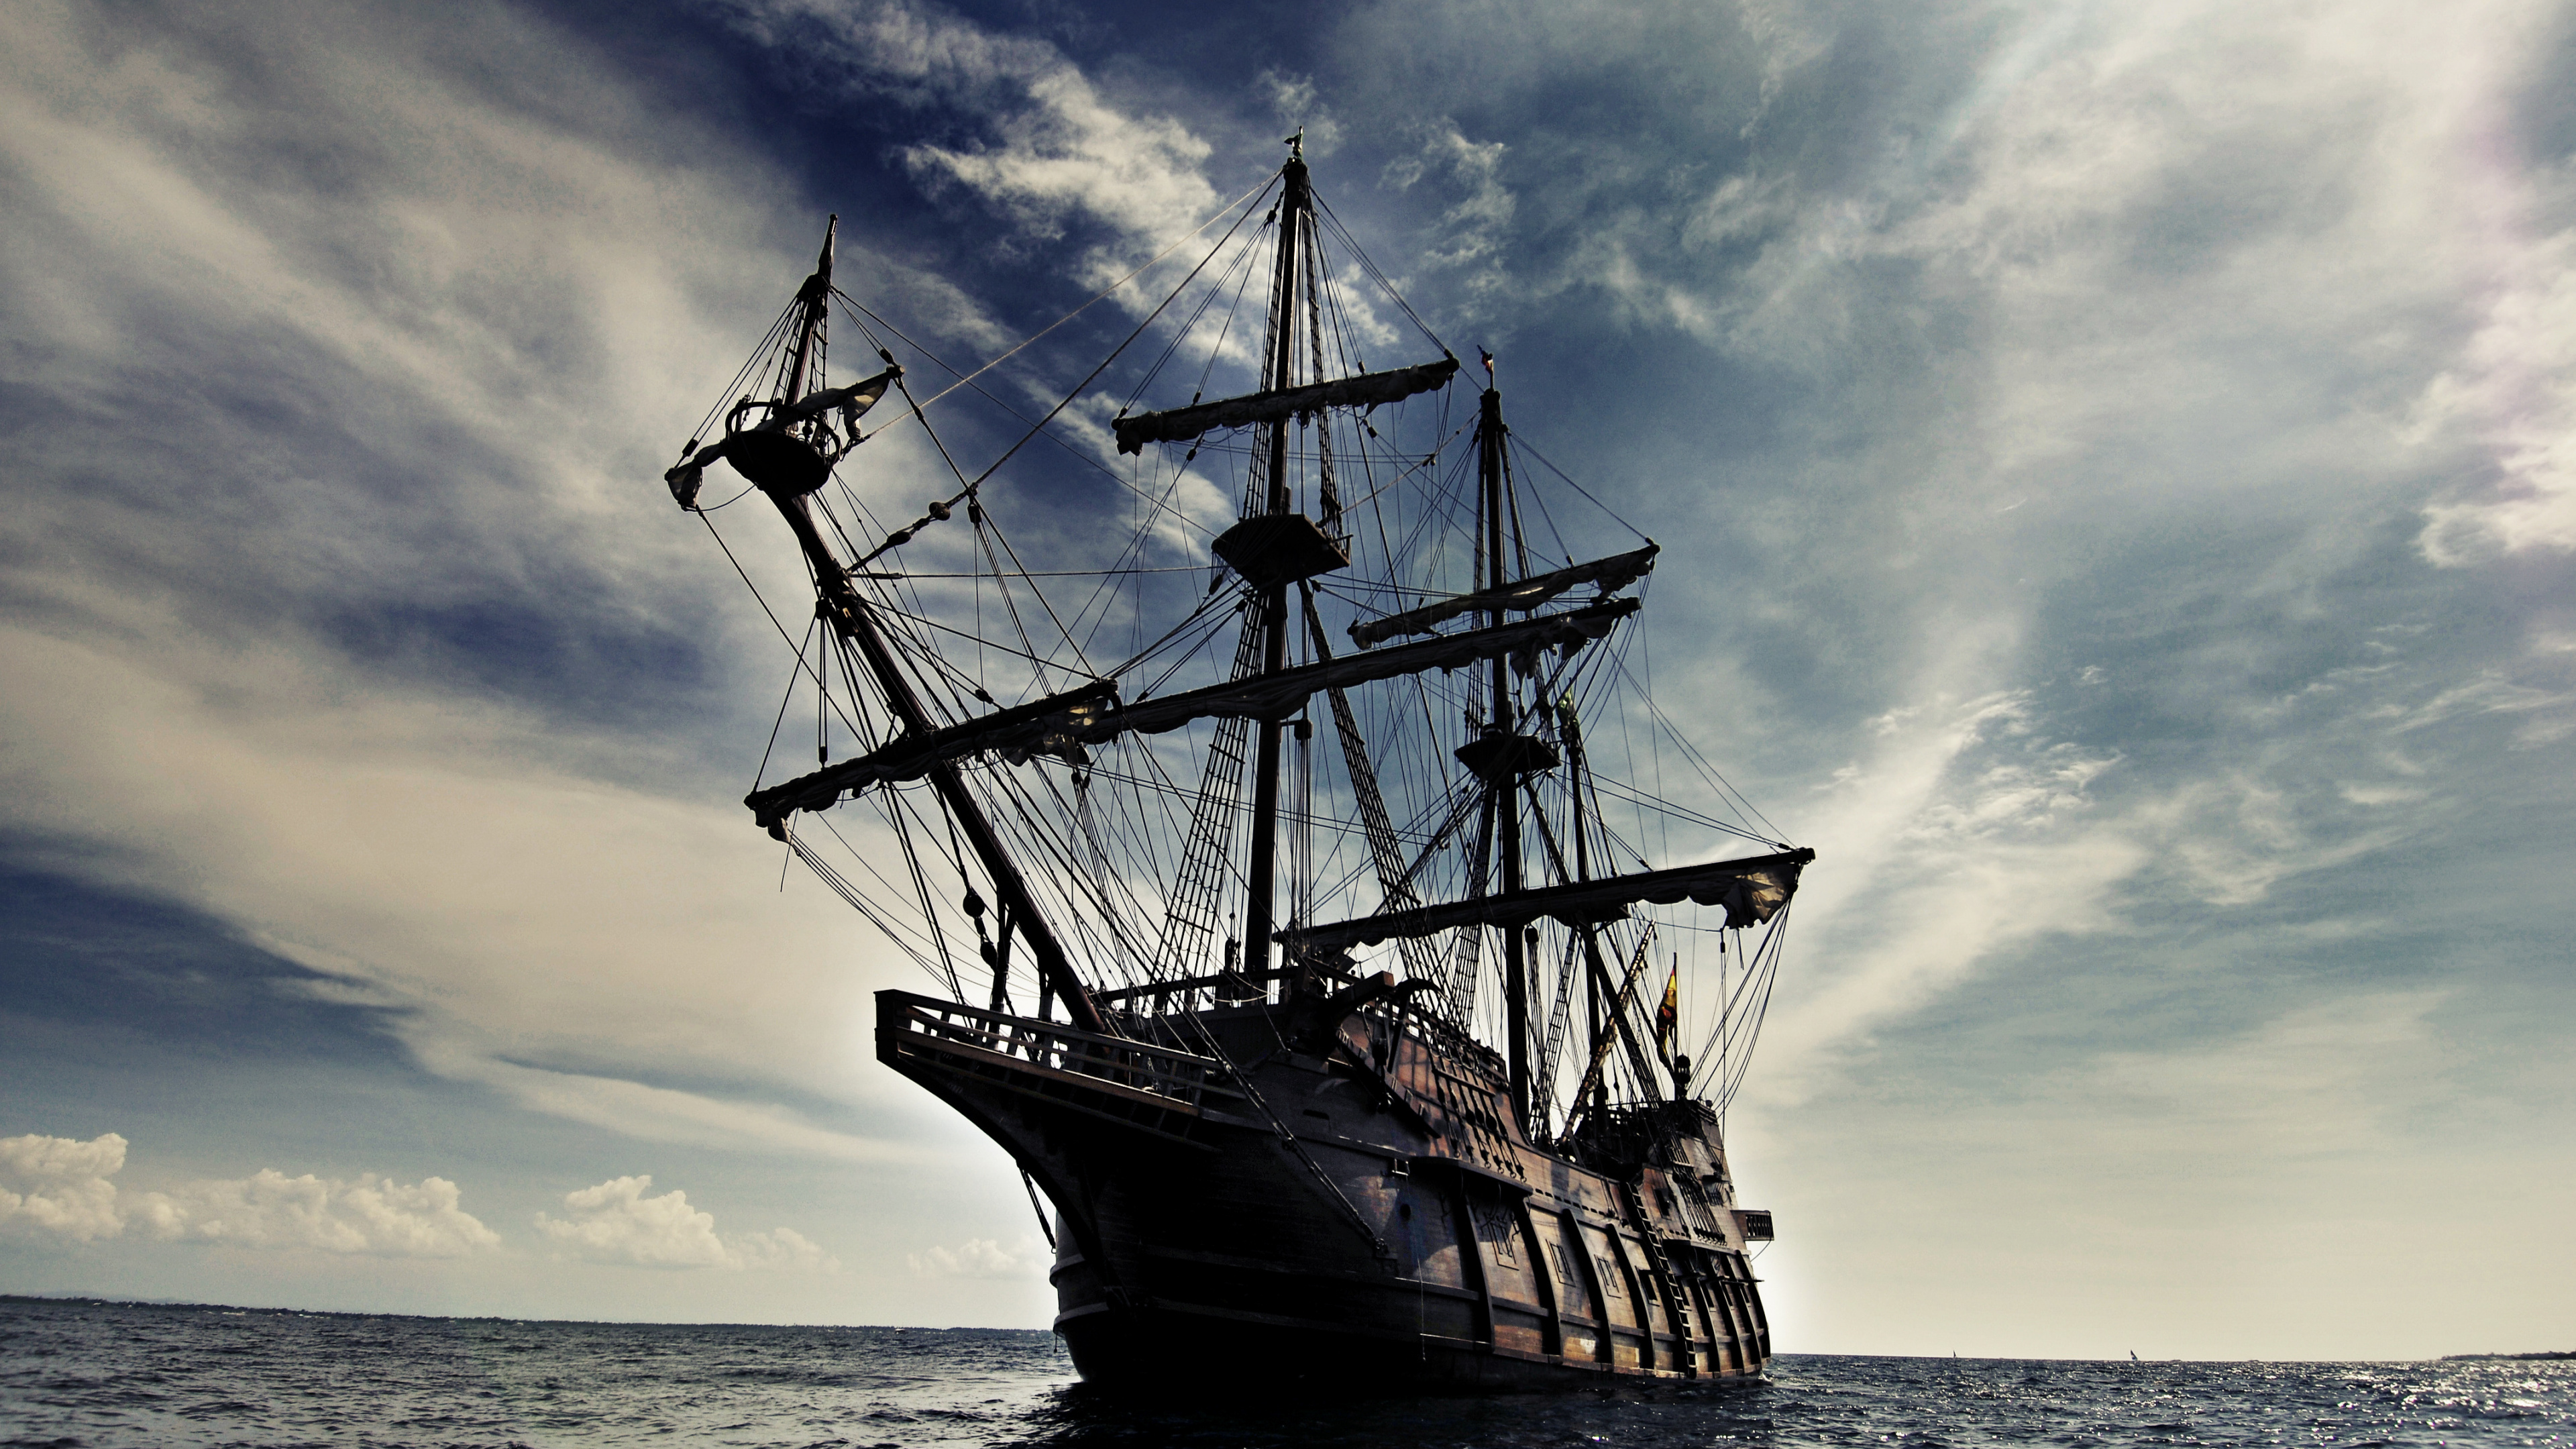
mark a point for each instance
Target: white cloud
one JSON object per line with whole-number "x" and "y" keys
{"x": 2512, "y": 396}
{"x": 1472, "y": 232}
{"x": 2187, "y": 270}
{"x": 1070, "y": 151}
{"x": 617, "y": 1222}
{"x": 1966, "y": 831}
{"x": 268, "y": 1209}
{"x": 2212, "y": 246}
{"x": 1297, "y": 105}
{"x": 452, "y": 364}
{"x": 978, "y": 1258}
{"x": 2236, "y": 837}
{"x": 1059, "y": 147}
{"x": 782, "y": 1250}
{"x": 60, "y": 1185}
{"x": 414, "y": 848}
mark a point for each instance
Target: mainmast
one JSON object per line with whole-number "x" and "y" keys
{"x": 1502, "y": 783}
{"x": 1261, "y": 876}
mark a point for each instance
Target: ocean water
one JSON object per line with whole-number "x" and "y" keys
{"x": 89, "y": 1374}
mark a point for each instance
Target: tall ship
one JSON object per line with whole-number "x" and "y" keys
{"x": 1318, "y": 908}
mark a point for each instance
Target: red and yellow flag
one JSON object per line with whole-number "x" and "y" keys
{"x": 1669, "y": 1015}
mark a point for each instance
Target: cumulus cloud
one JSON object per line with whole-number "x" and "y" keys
{"x": 60, "y": 1185}
{"x": 64, "y": 1187}
{"x": 618, "y": 1221}
{"x": 978, "y": 1258}
{"x": 371, "y": 1215}
{"x": 781, "y": 1250}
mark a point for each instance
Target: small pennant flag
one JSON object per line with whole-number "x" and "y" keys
{"x": 1489, "y": 362}
{"x": 1668, "y": 1016}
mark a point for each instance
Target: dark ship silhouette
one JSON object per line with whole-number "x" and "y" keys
{"x": 1329, "y": 1154}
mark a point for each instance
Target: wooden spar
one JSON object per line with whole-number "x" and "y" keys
{"x": 1260, "y": 877}
{"x": 1752, "y": 888}
{"x": 852, "y": 620}
{"x": 1521, "y": 595}
{"x": 1368, "y": 389}
{"x": 1092, "y": 713}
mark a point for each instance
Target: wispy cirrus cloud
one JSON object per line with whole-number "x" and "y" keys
{"x": 2104, "y": 362}
{"x": 1053, "y": 147}
{"x": 2510, "y": 398}
{"x": 514, "y": 919}
{"x": 335, "y": 497}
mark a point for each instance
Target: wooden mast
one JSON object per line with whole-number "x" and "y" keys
{"x": 849, "y": 617}
{"x": 1504, "y": 783}
{"x": 1260, "y": 877}
{"x": 814, "y": 297}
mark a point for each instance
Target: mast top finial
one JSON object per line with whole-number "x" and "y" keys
{"x": 1297, "y": 145}
{"x": 822, "y": 277}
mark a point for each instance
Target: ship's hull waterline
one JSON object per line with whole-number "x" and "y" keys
{"x": 1208, "y": 1234}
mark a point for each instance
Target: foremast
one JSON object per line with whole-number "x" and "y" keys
{"x": 840, "y": 605}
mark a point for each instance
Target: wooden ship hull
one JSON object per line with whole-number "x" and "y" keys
{"x": 1368, "y": 1212}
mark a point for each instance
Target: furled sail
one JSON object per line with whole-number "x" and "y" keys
{"x": 1061, "y": 723}
{"x": 1613, "y": 574}
{"x": 1752, "y": 890}
{"x": 1280, "y": 404}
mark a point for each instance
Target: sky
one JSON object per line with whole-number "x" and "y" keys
{"x": 2121, "y": 459}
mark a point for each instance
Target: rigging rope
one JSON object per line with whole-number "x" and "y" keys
{"x": 1252, "y": 196}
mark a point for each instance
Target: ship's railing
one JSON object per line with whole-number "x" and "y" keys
{"x": 1136, "y": 1066}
